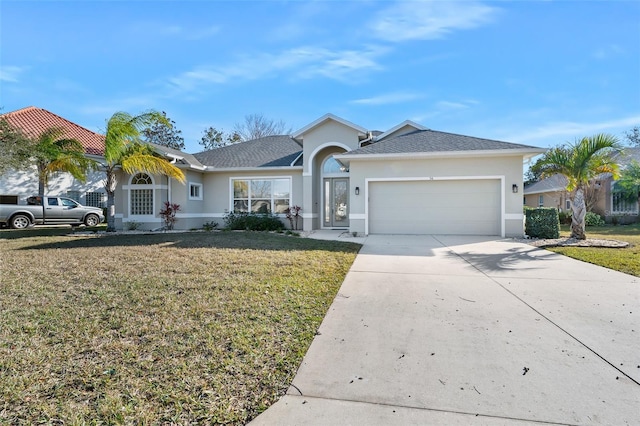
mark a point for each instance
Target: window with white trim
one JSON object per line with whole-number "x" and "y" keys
{"x": 94, "y": 199}
{"x": 195, "y": 191}
{"x": 567, "y": 204}
{"x": 540, "y": 200}
{"x": 620, "y": 204}
{"x": 141, "y": 199}
{"x": 261, "y": 195}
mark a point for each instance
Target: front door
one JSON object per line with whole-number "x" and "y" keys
{"x": 336, "y": 203}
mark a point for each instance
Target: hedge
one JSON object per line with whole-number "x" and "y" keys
{"x": 542, "y": 222}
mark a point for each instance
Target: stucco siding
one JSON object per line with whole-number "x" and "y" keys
{"x": 330, "y": 132}
{"x": 24, "y": 183}
{"x": 507, "y": 169}
{"x": 217, "y": 196}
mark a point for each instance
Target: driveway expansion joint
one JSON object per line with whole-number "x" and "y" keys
{"x": 438, "y": 410}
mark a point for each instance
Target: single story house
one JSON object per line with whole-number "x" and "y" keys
{"x": 406, "y": 180}
{"x": 552, "y": 192}
{"x": 16, "y": 186}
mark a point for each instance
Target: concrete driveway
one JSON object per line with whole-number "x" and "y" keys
{"x": 470, "y": 330}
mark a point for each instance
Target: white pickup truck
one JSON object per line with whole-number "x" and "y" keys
{"x": 49, "y": 210}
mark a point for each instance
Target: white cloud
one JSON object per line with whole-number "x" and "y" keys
{"x": 443, "y": 107}
{"x": 563, "y": 131}
{"x": 169, "y": 30}
{"x": 132, "y": 104}
{"x": 301, "y": 62}
{"x": 605, "y": 52}
{"x": 448, "y": 105}
{"x": 11, "y": 73}
{"x": 426, "y": 20}
{"x": 388, "y": 98}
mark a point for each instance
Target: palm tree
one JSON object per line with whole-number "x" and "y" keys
{"x": 580, "y": 162}
{"x": 53, "y": 153}
{"x": 124, "y": 149}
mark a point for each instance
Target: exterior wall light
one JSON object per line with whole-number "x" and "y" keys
{"x": 514, "y": 188}
{"x": 357, "y": 190}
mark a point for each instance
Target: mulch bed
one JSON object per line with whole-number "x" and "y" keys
{"x": 572, "y": 242}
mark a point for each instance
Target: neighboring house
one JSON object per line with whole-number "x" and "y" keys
{"x": 552, "y": 192}
{"x": 407, "y": 180}
{"x": 549, "y": 192}
{"x": 20, "y": 184}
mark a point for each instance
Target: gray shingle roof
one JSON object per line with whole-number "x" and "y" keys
{"x": 188, "y": 159}
{"x": 422, "y": 141}
{"x": 556, "y": 182}
{"x": 270, "y": 151}
{"x": 628, "y": 155}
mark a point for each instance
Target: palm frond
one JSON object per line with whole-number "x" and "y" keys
{"x": 583, "y": 160}
{"x": 124, "y": 129}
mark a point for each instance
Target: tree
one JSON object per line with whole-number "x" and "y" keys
{"x": 124, "y": 149}
{"x": 14, "y": 146}
{"x": 629, "y": 183}
{"x": 534, "y": 173}
{"x": 52, "y": 153}
{"x": 213, "y": 138}
{"x": 164, "y": 132}
{"x": 258, "y": 126}
{"x": 580, "y": 162}
{"x": 633, "y": 136}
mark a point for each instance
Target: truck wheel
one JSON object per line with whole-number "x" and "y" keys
{"x": 20, "y": 221}
{"x": 92, "y": 220}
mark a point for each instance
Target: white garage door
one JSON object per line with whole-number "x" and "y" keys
{"x": 453, "y": 207}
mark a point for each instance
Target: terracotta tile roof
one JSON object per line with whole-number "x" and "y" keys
{"x": 33, "y": 121}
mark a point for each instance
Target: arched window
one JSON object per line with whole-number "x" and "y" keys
{"x": 141, "y": 197}
{"x": 141, "y": 179}
{"x": 332, "y": 166}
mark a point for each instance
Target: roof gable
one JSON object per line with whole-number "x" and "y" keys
{"x": 405, "y": 127}
{"x": 34, "y": 121}
{"x": 177, "y": 156}
{"x": 320, "y": 121}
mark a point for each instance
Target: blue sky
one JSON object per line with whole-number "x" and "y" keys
{"x": 538, "y": 73}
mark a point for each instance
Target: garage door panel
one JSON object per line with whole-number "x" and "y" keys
{"x": 465, "y": 207}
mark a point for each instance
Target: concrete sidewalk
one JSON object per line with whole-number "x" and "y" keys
{"x": 470, "y": 330}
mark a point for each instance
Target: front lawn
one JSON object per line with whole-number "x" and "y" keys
{"x": 624, "y": 260}
{"x": 150, "y": 329}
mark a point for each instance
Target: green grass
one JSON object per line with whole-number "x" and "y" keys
{"x": 150, "y": 329}
{"x": 625, "y": 260}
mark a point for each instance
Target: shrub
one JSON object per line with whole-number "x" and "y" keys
{"x": 593, "y": 219}
{"x": 293, "y": 214}
{"x": 253, "y": 222}
{"x": 209, "y": 226}
{"x": 168, "y": 214}
{"x": 132, "y": 226}
{"x": 565, "y": 217}
{"x": 542, "y": 222}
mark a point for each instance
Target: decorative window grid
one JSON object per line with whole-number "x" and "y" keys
{"x": 95, "y": 199}
{"x": 142, "y": 201}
